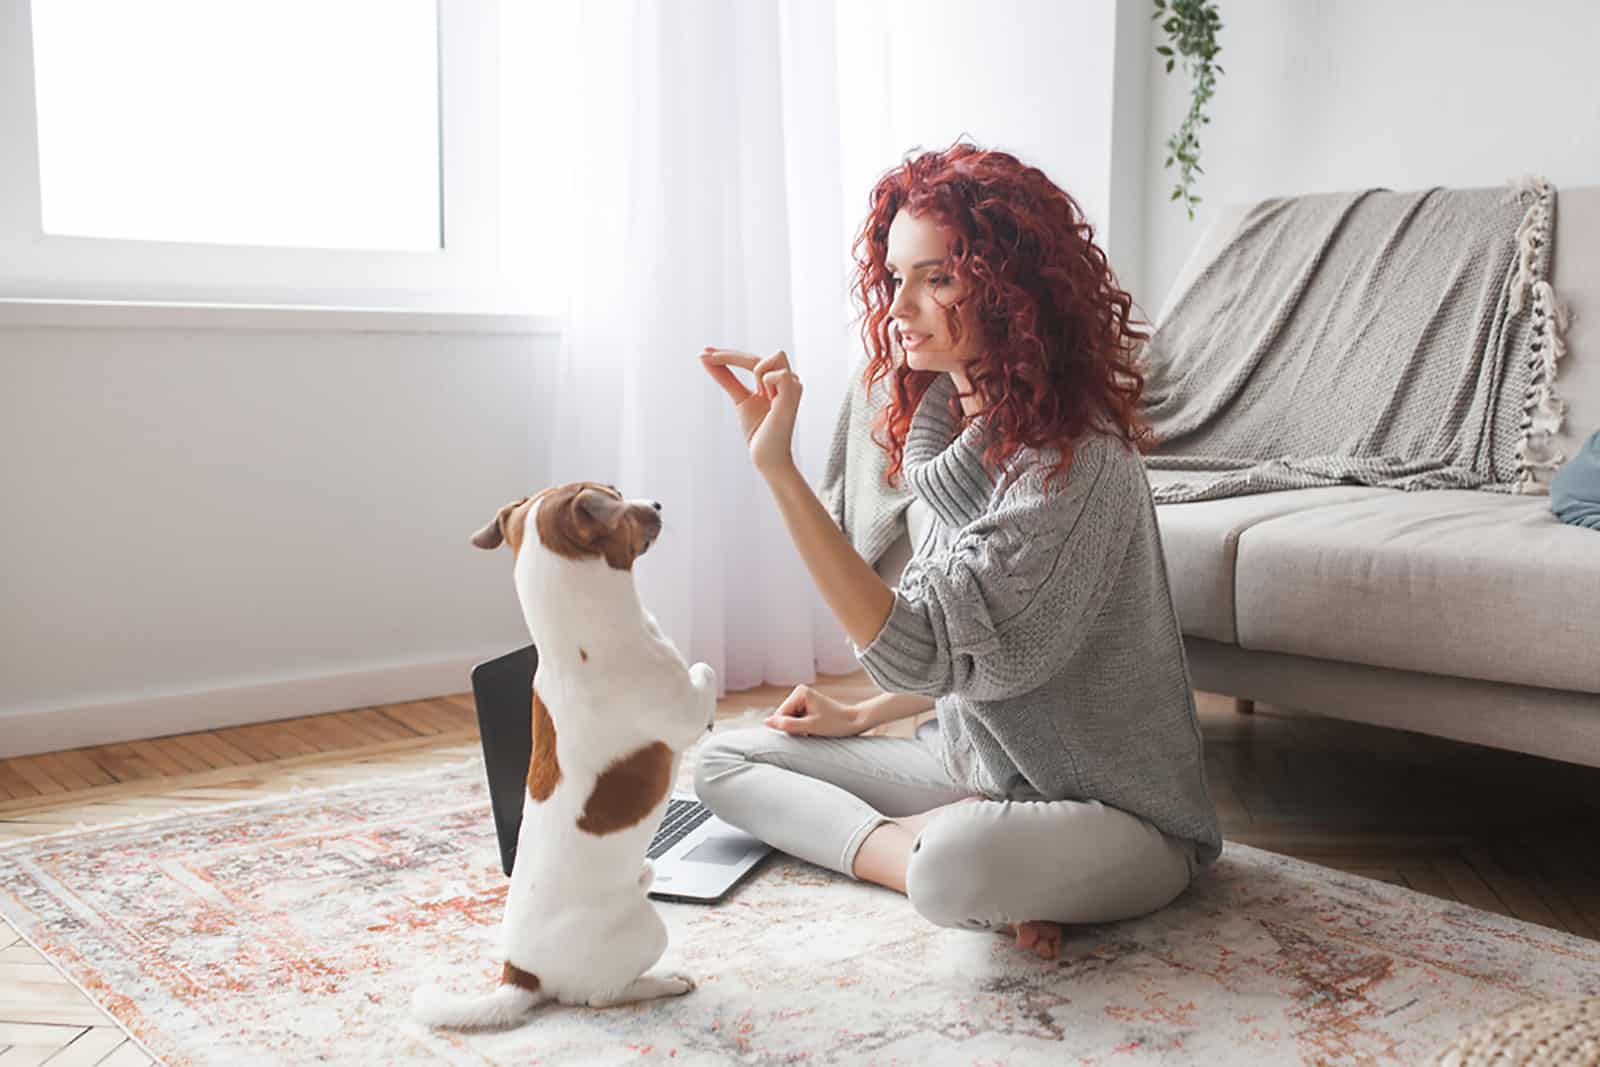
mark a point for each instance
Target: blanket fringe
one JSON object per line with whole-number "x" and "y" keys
{"x": 1542, "y": 411}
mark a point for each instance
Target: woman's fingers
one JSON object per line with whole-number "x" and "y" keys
{"x": 721, "y": 358}
{"x": 793, "y": 706}
{"x": 727, "y": 379}
{"x": 716, "y": 361}
{"x": 730, "y": 355}
{"x": 778, "y": 361}
{"x": 783, "y": 386}
{"x": 790, "y": 724}
{"x": 774, "y": 381}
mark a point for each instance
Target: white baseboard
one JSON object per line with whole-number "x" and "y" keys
{"x": 25, "y": 732}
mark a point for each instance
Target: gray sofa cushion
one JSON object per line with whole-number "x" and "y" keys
{"x": 1199, "y": 540}
{"x": 1450, "y": 582}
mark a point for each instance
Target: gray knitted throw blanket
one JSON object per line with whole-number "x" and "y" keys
{"x": 866, "y": 508}
{"x": 1406, "y": 340}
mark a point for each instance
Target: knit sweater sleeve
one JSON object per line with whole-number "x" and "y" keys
{"x": 1001, "y": 611}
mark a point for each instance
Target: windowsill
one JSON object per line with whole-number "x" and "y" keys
{"x": 118, "y": 315}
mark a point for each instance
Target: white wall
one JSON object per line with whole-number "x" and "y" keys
{"x": 273, "y": 518}
{"x": 1323, "y": 96}
{"x": 1127, "y": 172}
{"x": 1032, "y": 77}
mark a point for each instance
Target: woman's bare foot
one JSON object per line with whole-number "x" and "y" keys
{"x": 1041, "y": 938}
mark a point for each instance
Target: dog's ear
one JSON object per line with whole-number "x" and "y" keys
{"x": 490, "y": 536}
{"x": 603, "y": 508}
{"x": 494, "y": 534}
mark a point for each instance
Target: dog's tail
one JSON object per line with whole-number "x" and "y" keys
{"x": 517, "y": 994}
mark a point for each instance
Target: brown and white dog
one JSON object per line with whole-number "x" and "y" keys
{"x": 614, "y": 705}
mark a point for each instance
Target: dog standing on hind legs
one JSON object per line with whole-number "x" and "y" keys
{"x": 613, "y": 707}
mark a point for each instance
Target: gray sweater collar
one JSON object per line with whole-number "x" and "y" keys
{"x": 943, "y": 468}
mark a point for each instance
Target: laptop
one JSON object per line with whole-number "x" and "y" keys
{"x": 698, "y": 858}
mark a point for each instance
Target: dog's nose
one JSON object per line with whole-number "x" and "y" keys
{"x": 656, "y": 504}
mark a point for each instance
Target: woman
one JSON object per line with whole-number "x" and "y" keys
{"x": 1065, "y": 783}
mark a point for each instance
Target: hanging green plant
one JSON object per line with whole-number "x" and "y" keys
{"x": 1191, "y": 27}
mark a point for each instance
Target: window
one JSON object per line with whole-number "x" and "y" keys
{"x": 307, "y": 152}
{"x": 301, "y": 123}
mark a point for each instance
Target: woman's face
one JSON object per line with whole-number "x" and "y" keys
{"x": 924, "y": 287}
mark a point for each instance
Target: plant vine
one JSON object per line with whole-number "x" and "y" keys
{"x": 1191, "y": 27}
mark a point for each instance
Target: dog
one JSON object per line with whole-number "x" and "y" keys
{"x": 613, "y": 707}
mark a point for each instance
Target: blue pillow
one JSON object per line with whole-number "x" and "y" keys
{"x": 1575, "y": 490}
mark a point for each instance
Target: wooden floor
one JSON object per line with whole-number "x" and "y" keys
{"x": 1500, "y": 831}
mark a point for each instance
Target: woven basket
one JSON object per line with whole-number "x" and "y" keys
{"x": 1560, "y": 1032}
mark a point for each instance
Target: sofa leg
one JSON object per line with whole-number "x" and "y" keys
{"x": 1244, "y": 707}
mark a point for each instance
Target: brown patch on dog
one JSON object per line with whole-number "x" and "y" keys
{"x": 584, "y": 520}
{"x": 543, "y": 770}
{"x": 511, "y": 974}
{"x": 628, "y": 790}
{"x": 514, "y": 523}
{"x": 583, "y": 655}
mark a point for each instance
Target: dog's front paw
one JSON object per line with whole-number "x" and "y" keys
{"x": 682, "y": 982}
{"x": 703, "y": 676}
{"x": 704, "y": 680}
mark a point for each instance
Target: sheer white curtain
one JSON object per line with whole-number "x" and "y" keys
{"x": 706, "y": 209}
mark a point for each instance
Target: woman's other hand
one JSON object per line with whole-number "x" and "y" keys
{"x": 766, "y": 414}
{"x": 808, "y": 713}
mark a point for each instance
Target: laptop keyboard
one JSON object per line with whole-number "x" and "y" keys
{"x": 682, "y": 817}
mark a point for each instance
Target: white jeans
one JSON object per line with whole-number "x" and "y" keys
{"x": 992, "y": 863}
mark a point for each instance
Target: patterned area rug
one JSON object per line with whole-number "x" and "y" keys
{"x": 293, "y": 930}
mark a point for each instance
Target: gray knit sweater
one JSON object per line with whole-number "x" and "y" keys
{"x": 1041, "y": 619}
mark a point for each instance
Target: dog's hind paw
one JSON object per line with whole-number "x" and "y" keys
{"x": 645, "y": 987}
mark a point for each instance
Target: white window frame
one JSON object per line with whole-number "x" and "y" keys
{"x": 462, "y": 276}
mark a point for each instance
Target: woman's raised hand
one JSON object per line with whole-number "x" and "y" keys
{"x": 766, "y": 413}
{"x": 806, "y": 712}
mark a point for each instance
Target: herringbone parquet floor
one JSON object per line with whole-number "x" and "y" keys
{"x": 1508, "y": 833}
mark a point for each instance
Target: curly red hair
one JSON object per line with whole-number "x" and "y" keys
{"x": 1058, "y": 338}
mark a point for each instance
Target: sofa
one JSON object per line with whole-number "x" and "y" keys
{"x": 1463, "y": 614}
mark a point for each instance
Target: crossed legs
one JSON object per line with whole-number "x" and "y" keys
{"x": 883, "y": 810}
